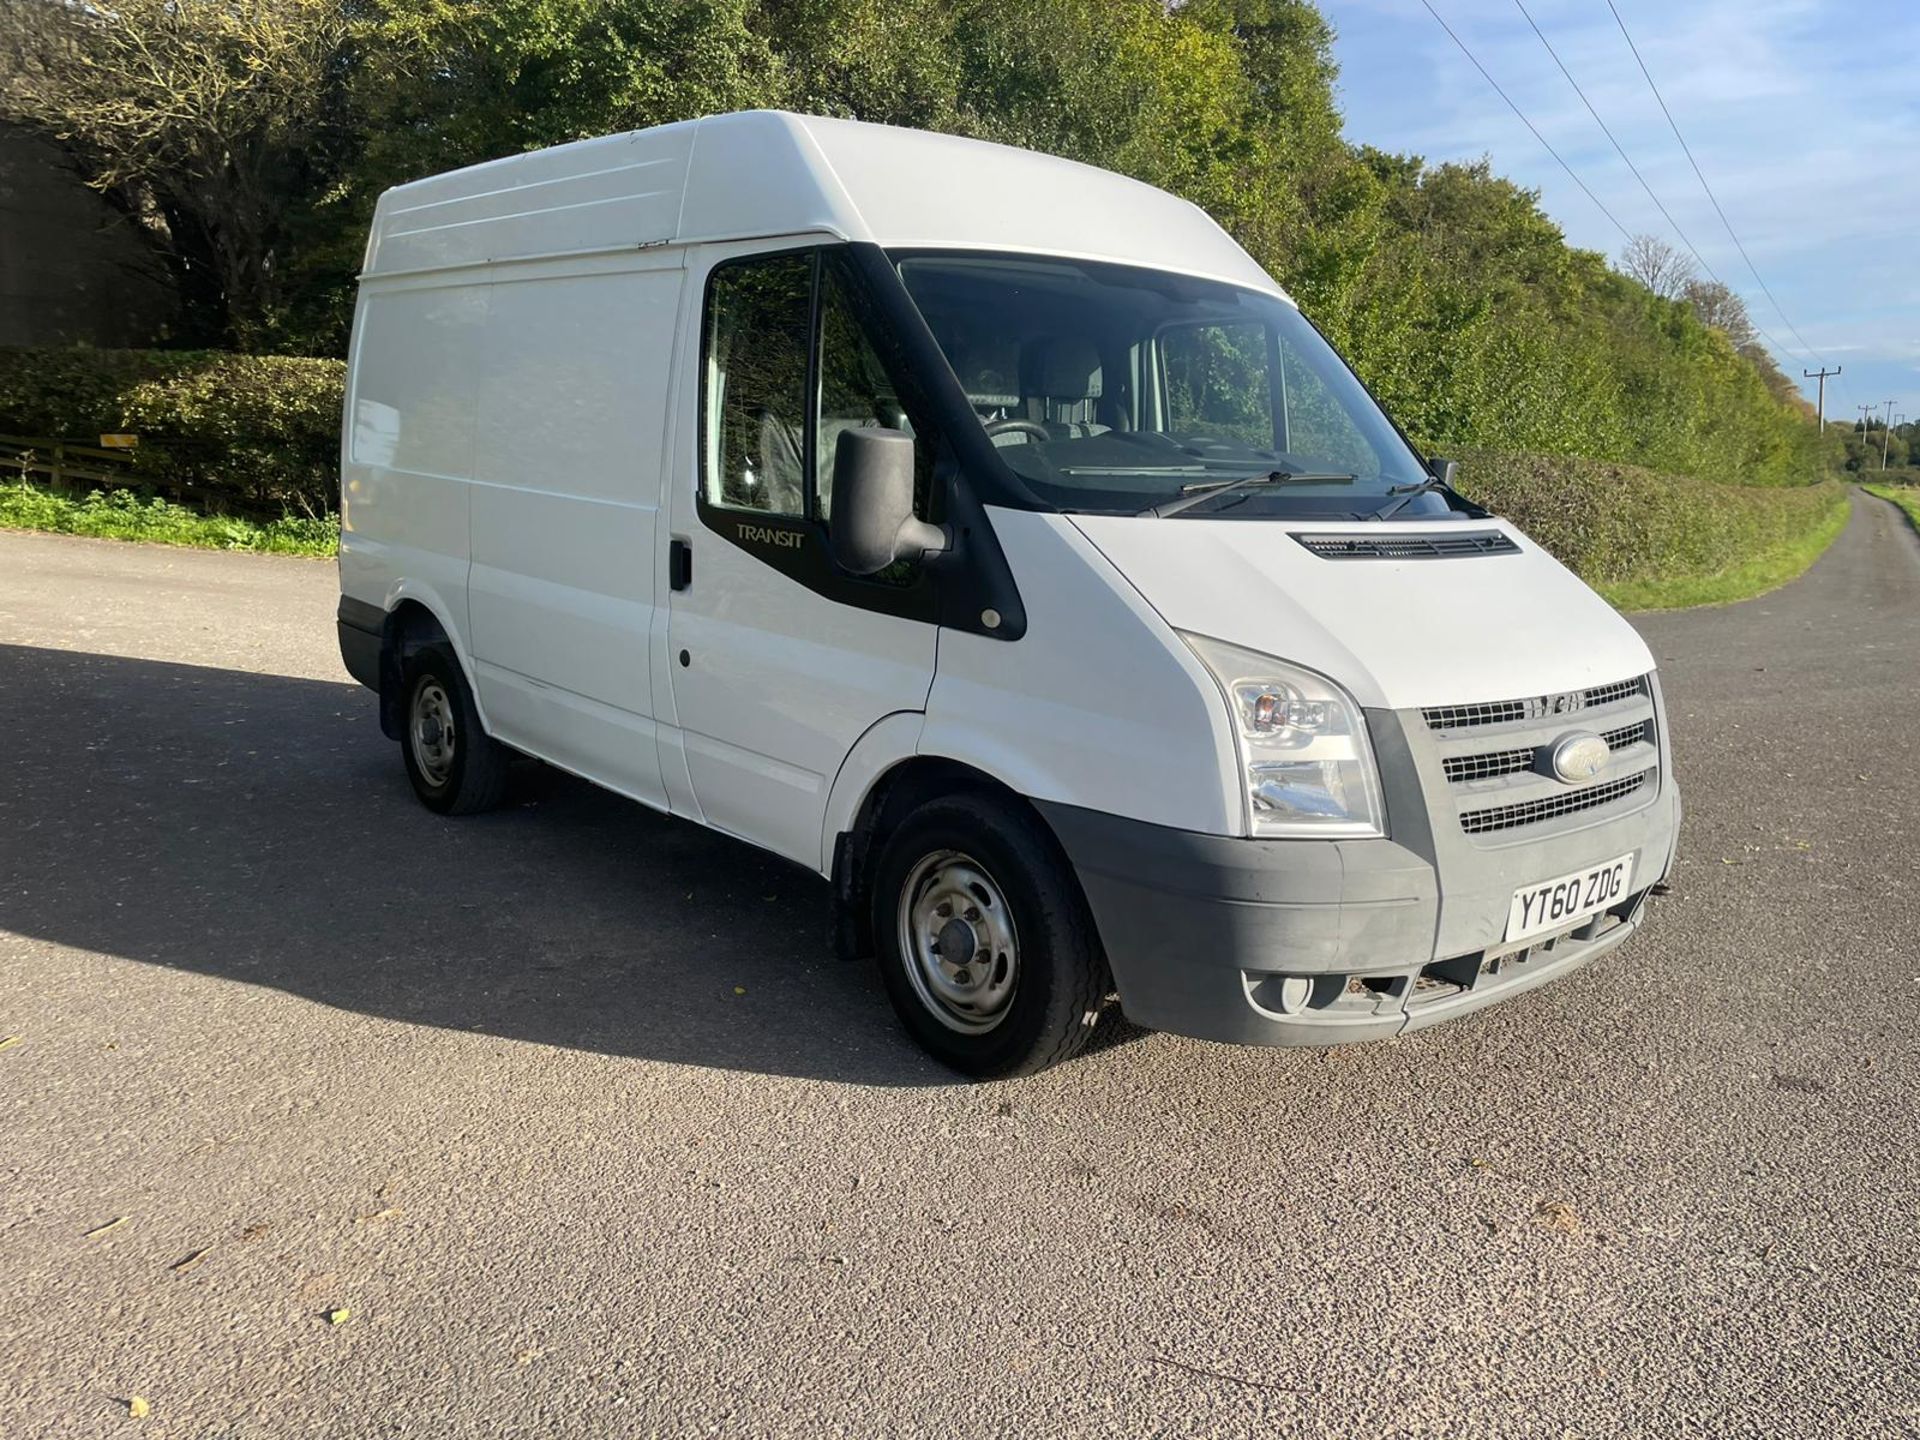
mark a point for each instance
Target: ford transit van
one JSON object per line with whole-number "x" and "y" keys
{"x": 991, "y": 535}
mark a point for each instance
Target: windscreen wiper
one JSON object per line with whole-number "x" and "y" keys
{"x": 1408, "y": 494}
{"x": 1191, "y": 495}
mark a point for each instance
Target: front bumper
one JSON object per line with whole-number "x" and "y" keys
{"x": 1326, "y": 942}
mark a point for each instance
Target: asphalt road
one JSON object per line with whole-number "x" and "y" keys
{"x": 570, "y": 1109}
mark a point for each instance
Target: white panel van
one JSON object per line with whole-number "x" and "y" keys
{"x": 991, "y": 535}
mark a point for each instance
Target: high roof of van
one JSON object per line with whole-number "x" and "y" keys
{"x": 765, "y": 173}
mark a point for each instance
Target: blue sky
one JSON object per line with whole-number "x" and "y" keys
{"x": 1804, "y": 114}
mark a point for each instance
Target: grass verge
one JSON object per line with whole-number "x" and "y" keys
{"x": 1649, "y": 541}
{"x": 124, "y": 515}
{"x": 1906, "y": 497}
{"x": 1769, "y": 570}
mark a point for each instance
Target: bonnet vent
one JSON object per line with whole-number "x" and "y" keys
{"x": 1407, "y": 547}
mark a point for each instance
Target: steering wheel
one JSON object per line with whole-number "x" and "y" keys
{"x": 1019, "y": 427}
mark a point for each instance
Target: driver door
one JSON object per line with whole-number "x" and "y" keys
{"x": 779, "y": 661}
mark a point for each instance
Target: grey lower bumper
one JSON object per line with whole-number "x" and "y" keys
{"x": 1296, "y": 942}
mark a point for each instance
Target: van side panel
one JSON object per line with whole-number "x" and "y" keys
{"x": 565, "y": 510}
{"x": 408, "y": 447}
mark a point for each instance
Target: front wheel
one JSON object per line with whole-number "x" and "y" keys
{"x": 455, "y": 766}
{"x": 986, "y": 946}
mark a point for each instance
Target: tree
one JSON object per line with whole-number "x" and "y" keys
{"x": 454, "y": 82}
{"x": 1720, "y": 308}
{"x": 1656, "y": 265}
{"x": 208, "y": 121}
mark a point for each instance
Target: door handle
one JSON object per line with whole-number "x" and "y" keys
{"x": 679, "y": 565}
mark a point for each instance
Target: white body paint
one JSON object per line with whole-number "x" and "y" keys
{"x": 520, "y": 446}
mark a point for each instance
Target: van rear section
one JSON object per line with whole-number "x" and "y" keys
{"x": 990, "y": 535}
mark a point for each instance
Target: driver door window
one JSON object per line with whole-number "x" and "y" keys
{"x": 766, "y": 448}
{"x": 759, "y": 329}
{"x": 855, "y": 393}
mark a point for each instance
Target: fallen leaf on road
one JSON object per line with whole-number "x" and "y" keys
{"x": 1557, "y": 1215}
{"x": 100, "y": 1230}
{"x": 9, "y": 1042}
{"x": 739, "y": 989}
{"x": 338, "y": 1317}
{"x": 138, "y": 1408}
{"x": 180, "y": 1267}
{"x": 392, "y": 1212}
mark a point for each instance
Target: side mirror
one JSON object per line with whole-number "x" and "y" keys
{"x": 1443, "y": 470}
{"x": 873, "y": 523}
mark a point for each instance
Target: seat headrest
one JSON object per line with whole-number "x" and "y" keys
{"x": 1070, "y": 369}
{"x": 987, "y": 370}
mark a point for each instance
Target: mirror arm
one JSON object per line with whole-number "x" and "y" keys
{"x": 917, "y": 537}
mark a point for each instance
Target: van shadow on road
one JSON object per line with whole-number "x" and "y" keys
{"x": 260, "y": 829}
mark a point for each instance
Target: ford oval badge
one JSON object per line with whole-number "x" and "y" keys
{"x": 1578, "y": 757}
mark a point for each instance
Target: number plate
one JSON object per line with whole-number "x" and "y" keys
{"x": 1561, "y": 903}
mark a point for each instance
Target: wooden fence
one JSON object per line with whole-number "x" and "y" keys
{"x": 65, "y": 462}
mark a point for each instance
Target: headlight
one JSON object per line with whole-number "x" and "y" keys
{"x": 1303, "y": 746}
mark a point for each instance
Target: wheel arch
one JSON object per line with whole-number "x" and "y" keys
{"x": 892, "y": 793}
{"x": 413, "y": 622}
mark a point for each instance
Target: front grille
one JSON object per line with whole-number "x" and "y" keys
{"x": 1539, "y": 707}
{"x": 1532, "y": 812}
{"x": 1629, "y": 735}
{"x": 1408, "y": 547}
{"x": 1462, "y": 768}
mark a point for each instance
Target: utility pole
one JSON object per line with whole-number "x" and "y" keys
{"x": 1821, "y": 375}
{"x": 1886, "y": 436}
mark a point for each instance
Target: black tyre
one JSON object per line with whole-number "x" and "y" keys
{"x": 985, "y": 943}
{"x": 455, "y": 766}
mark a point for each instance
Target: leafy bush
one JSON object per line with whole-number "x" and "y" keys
{"x": 1618, "y": 525}
{"x": 255, "y": 435}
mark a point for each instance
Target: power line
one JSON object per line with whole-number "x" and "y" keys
{"x": 1701, "y": 175}
{"x": 1624, "y": 234}
{"x": 1621, "y": 150}
{"x": 1618, "y": 148}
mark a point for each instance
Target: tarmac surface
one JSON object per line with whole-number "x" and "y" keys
{"x": 570, "y": 1119}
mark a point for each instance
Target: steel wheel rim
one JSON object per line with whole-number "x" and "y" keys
{"x": 431, "y": 732}
{"x": 958, "y": 942}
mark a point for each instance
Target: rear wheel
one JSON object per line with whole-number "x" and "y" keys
{"x": 455, "y": 766}
{"x": 986, "y": 947}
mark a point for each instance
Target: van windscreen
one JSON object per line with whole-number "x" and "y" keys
{"x": 1114, "y": 389}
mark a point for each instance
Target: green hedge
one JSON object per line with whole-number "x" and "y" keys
{"x": 229, "y": 434}
{"x": 1642, "y": 536}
